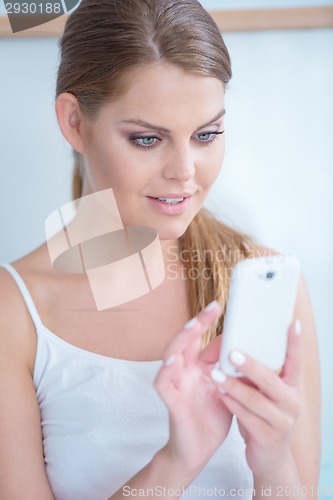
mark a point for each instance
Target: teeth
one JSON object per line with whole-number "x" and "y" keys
{"x": 171, "y": 201}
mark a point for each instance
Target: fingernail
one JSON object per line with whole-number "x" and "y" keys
{"x": 298, "y": 327}
{"x": 210, "y": 306}
{"x": 190, "y": 323}
{"x": 169, "y": 360}
{"x": 237, "y": 358}
{"x": 218, "y": 376}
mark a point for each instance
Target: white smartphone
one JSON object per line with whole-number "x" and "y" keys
{"x": 259, "y": 311}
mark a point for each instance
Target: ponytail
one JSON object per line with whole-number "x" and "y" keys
{"x": 209, "y": 250}
{"x": 77, "y": 183}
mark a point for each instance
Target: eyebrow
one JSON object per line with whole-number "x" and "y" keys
{"x": 145, "y": 124}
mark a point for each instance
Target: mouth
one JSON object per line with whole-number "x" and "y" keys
{"x": 172, "y": 198}
{"x": 170, "y": 201}
{"x": 174, "y": 205}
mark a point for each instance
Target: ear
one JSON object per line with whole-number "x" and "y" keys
{"x": 70, "y": 120}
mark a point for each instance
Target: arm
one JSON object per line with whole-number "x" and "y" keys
{"x": 161, "y": 476}
{"x": 301, "y": 472}
{"x": 22, "y": 471}
{"x": 281, "y": 421}
{"x": 306, "y": 443}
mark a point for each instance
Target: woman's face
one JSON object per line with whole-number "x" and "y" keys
{"x": 159, "y": 140}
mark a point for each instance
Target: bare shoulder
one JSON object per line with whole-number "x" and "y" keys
{"x": 21, "y": 452}
{"x": 17, "y": 331}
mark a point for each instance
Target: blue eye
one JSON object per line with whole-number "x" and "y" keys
{"x": 204, "y": 137}
{"x": 146, "y": 142}
{"x": 150, "y": 141}
{"x": 208, "y": 136}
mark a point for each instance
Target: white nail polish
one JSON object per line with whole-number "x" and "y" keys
{"x": 218, "y": 376}
{"x": 190, "y": 323}
{"x": 237, "y": 358}
{"x": 298, "y": 327}
{"x": 169, "y": 360}
{"x": 210, "y": 306}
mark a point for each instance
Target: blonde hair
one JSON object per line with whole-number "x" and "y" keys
{"x": 102, "y": 41}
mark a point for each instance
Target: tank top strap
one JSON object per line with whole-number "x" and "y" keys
{"x": 25, "y": 294}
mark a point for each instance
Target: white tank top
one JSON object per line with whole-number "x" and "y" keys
{"x": 102, "y": 421}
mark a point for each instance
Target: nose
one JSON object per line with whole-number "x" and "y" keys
{"x": 179, "y": 164}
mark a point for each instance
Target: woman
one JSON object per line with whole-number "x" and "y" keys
{"x": 89, "y": 409}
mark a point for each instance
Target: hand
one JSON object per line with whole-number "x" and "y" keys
{"x": 267, "y": 406}
{"x": 199, "y": 420}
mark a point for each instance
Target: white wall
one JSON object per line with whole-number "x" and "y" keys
{"x": 277, "y": 178}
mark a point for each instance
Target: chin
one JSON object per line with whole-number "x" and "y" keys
{"x": 172, "y": 231}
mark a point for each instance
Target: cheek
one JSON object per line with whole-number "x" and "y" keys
{"x": 104, "y": 165}
{"x": 211, "y": 167}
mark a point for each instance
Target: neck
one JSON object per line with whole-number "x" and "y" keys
{"x": 170, "y": 249}
{"x": 172, "y": 261}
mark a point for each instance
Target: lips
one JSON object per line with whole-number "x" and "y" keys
{"x": 177, "y": 206}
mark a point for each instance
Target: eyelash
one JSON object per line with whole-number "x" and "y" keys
{"x": 206, "y": 143}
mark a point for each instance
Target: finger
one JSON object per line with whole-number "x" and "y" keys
{"x": 211, "y": 353}
{"x": 291, "y": 371}
{"x": 260, "y": 429}
{"x": 184, "y": 341}
{"x": 250, "y": 422}
{"x": 192, "y": 350}
{"x": 166, "y": 380}
{"x": 205, "y": 318}
{"x": 251, "y": 399}
{"x": 209, "y": 357}
{"x": 267, "y": 381}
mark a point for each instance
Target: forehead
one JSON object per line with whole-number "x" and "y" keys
{"x": 166, "y": 94}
